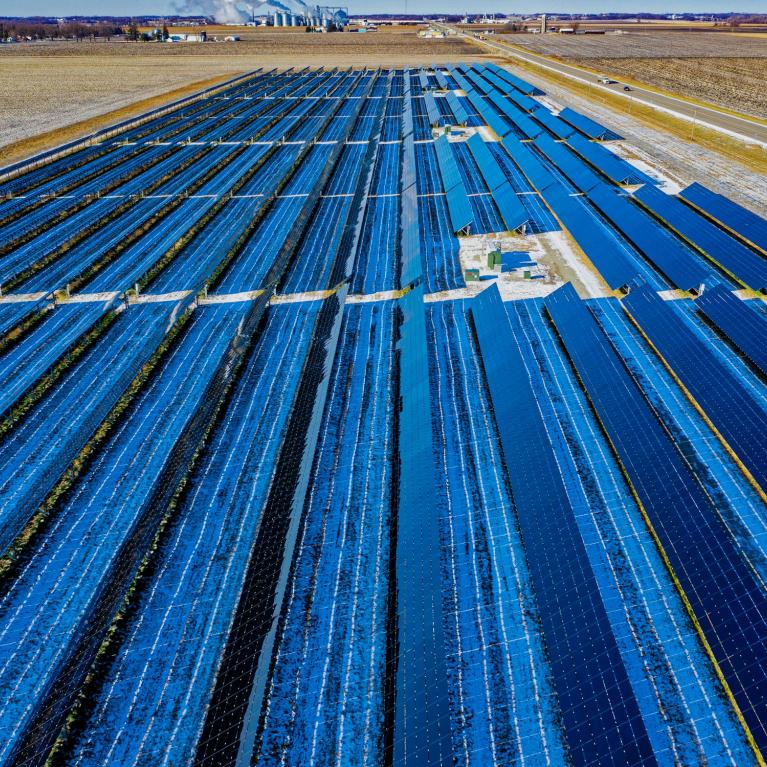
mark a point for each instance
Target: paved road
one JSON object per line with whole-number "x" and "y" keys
{"x": 709, "y": 116}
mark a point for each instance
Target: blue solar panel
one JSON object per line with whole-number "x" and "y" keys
{"x": 500, "y": 85}
{"x": 736, "y": 415}
{"x": 532, "y": 166}
{"x": 411, "y": 268}
{"x": 477, "y": 83}
{"x": 501, "y": 126}
{"x": 743, "y": 222}
{"x": 448, "y": 168}
{"x": 588, "y": 126}
{"x": 745, "y": 326}
{"x": 464, "y": 84}
{"x": 568, "y": 163}
{"x": 525, "y": 126}
{"x": 517, "y": 82}
{"x": 600, "y": 715}
{"x": 492, "y": 172}
{"x": 432, "y": 110}
{"x": 552, "y": 123}
{"x": 421, "y": 672}
{"x": 614, "y": 167}
{"x": 461, "y": 215}
{"x": 525, "y": 103}
{"x": 459, "y": 113}
{"x": 512, "y": 211}
{"x": 442, "y": 80}
{"x": 720, "y": 586}
{"x": 659, "y": 246}
{"x": 728, "y": 253}
{"x": 592, "y": 237}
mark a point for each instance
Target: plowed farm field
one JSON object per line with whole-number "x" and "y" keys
{"x": 718, "y": 67}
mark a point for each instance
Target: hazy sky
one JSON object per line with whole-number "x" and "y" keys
{"x": 144, "y": 7}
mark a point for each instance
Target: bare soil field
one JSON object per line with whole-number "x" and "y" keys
{"x": 721, "y": 68}
{"x": 632, "y": 45}
{"x": 42, "y": 93}
{"x": 732, "y": 83}
{"x": 49, "y": 86}
{"x": 286, "y": 47}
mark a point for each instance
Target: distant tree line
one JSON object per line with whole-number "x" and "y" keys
{"x": 71, "y": 30}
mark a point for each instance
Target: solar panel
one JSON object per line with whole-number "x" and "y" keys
{"x": 464, "y": 84}
{"x": 500, "y": 126}
{"x": 743, "y": 222}
{"x": 612, "y": 166}
{"x": 435, "y": 116}
{"x": 588, "y": 126}
{"x": 537, "y": 173}
{"x": 512, "y": 211}
{"x": 733, "y": 410}
{"x": 659, "y": 246}
{"x": 523, "y": 123}
{"x": 739, "y": 321}
{"x": 461, "y": 215}
{"x": 552, "y": 123}
{"x": 600, "y": 714}
{"x": 592, "y": 237}
{"x": 478, "y": 84}
{"x": 492, "y": 172}
{"x": 521, "y": 85}
{"x": 421, "y": 675}
{"x": 568, "y": 163}
{"x": 411, "y": 268}
{"x": 442, "y": 80}
{"x": 525, "y": 103}
{"x": 729, "y": 254}
{"x": 719, "y": 585}
{"x": 459, "y": 113}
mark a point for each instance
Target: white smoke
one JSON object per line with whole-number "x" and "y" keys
{"x": 239, "y": 11}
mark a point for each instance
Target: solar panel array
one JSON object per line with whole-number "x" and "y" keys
{"x": 277, "y": 487}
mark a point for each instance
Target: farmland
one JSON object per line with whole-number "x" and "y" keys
{"x": 100, "y": 82}
{"x": 717, "y": 67}
{"x": 320, "y": 390}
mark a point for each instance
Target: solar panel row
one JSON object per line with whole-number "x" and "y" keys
{"x": 588, "y": 126}
{"x": 461, "y": 215}
{"x": 735, "y": 217}
{"x": 660, "y": 247}
{"x": 517, "y": 82}
{"x": 552, "y": 123}
{"x": 511, "y": 209}
{"x": 608, "y": 163}
{"x": 731, "y": 255}
{"x": 728, "y": 603}
{"x": 599, "y": 711}
{"x": 421, "y": 679}
{"x": 592, "y": 237}
{"x": 734, "y": 412}
{"x": 741, "y": 323}
{"x": 580, "y": 174}
{"x": 459, "y": 113}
